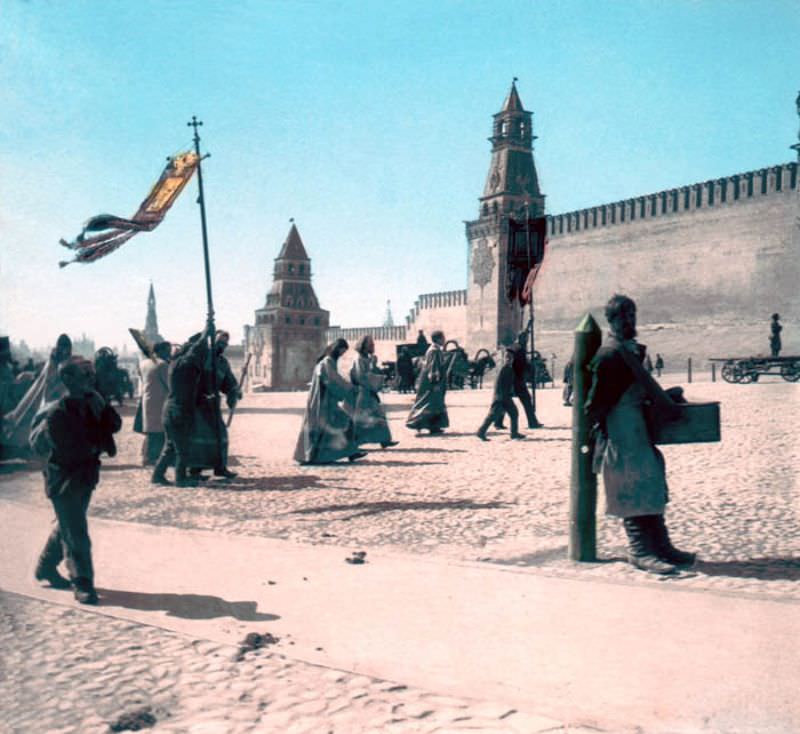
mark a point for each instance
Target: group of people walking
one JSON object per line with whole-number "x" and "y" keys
{"x": 341, "y": 416}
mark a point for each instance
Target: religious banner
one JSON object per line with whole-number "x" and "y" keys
{"x": 115, "y": 231}
{"x": 526, "y": 249}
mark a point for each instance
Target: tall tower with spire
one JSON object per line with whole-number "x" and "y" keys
{"x": 151, "y": 322}
{"x": 388, "y": 320}
{"x": 289, "y": 333}
{"x": 511, "y": 190}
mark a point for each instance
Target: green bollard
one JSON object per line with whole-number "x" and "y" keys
{"x": 583, "y": 485}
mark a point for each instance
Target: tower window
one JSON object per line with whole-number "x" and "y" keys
{"x": 291, "y": 268}
{"x": 504, "y": 128}
{"x": 288, "y": 320}
{"x": 301, "y": 269}
{"x": 316, "y": 322}
{"x": 302, "y": 321}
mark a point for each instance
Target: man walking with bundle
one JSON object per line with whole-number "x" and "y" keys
{"x": 78, "y": 428}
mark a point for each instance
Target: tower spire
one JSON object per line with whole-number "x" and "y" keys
{"x": 151, "y": 322}
{"x": 388, "y": 320}
{"x": 512, "y": 182}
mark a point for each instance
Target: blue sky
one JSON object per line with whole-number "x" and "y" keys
{"x": 365, "y": 121}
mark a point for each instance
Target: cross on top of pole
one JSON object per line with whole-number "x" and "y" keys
{"x": 195, "y": 123}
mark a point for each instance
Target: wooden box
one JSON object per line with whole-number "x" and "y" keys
{"x": 697, "y": 423}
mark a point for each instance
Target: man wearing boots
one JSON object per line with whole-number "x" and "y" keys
{"x": 79, "y": 427}
{"x": 502, "y": 402}
{"x": 633, "y": 468}
{"x": 179, "y": 410}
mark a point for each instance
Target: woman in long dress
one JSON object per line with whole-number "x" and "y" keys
{"x": 429, "y": 410}
{"x": 369, "y": 417}
{"x": 327, "y": 431}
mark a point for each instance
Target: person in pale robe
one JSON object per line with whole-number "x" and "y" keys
{"x": 369, "y": 417}
{"x": 46, "y": 388}
{"x": 327, "y": 431}
{"x": 633, "y": 469}
{"x": 155, "y": 388}
{"x": 429, "y": 410}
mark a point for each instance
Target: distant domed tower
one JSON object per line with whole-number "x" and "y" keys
{"x": 151, "y": 322}
{"x": 289, "y": 333}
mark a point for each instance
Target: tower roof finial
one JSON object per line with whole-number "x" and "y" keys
{"x": 513, "y": 102}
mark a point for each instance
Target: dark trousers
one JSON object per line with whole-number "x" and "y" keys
{"x": 521, "y": 391}
{"x": 152, "y": 447}
{"x": 178, "y": 430}
{"x": 69, "y": 538}
{"x": 495, "y": 415}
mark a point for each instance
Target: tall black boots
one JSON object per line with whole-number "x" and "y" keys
{"x": 649, "y": 546}
{"x": 663, "y": 546}
{"x": 642, "y": 547}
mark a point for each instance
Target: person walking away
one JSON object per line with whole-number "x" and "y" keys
{"x": 369, "y": 417}
{"x": 659, "y": 364}
{"x": 634, "y": 475}
{"x": 405, "y": 371}
{"x": 327, "y": 431}
{"x": 521, "y": 369}
{"x": 429, "y": 409}
{"x": 184, "y": 379}
{"x": 155, "y": 388}
{"x": 502, "y": 401}
{"x": 569, "y": 368}
{"x": 775, "y": 335}
{"x": 209, "y": 445}
{"x": 78, "y": 427}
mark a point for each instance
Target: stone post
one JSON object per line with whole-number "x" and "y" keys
{"x": 583, "y": 484}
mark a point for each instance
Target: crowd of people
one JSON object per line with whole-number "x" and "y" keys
{"x": 69, "y": 422}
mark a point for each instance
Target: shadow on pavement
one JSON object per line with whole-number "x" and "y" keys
{"x": 241, "y": 410}
{"x": 395, "y": 450}
{"x": 365, "y": 509}
{"x": 124, "y": 467}
{"x": 389, "y": 462}
{"x": 783, "y": 569}
{"x": 290, "y": 483}
{"x": 185, "y": 606}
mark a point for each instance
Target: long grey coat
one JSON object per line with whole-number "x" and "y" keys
{"x": 327, "y": 431}
{"x": 155, "y": 387}
{"x": 369, "y": 417}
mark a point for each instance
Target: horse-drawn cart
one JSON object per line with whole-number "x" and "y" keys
{"x": 743, "y": 370}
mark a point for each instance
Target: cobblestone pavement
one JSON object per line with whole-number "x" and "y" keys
{"x": 736, "y": 502}
{"x": 67, "y": 671}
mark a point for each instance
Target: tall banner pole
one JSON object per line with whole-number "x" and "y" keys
{"x": 210, "y": 327}
{"x": 531, "y": 320}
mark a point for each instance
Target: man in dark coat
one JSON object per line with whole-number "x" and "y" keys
{"x": 184, "y": 378}
{"x": 520, "y": 366}
{"x": 209, "y": 445}
{"x": 79, "y": 427}
{"x": 502, "y": 401}
{"x": 775, "y": 335}
{"x": 634, "y": 475}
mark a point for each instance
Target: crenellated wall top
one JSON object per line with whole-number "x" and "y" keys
{"x": 706, "y": 194}
{"x": 440, "y": 299}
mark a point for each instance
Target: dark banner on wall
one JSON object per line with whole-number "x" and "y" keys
{"x": 526, "y": 249}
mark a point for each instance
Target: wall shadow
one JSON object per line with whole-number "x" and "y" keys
{"x": 124, "y": 467}
{"x": 397, "y": 450}
{"x": 766, "y": 569}
{"x": 366, "y": 509}
{"x": 369, "y": 462}
{"x": 185, "y": 606}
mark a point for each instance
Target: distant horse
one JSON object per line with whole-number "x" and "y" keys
{"x": 482, "y": 363}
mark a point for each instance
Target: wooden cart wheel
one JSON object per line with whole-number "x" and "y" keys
{"x": 729, "y": 372}
{"x": 790, "y": 371}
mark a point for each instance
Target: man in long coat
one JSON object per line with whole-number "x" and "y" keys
{"x": 429, "y": 410}
{"x": 633, "y": 469}
{"x": 369, "y": 417}
{"x": 209, "y": 445}
{"x": 184, "y": 378}
{"x": 155, "y": 388}
{"x": 327, "y": 431}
